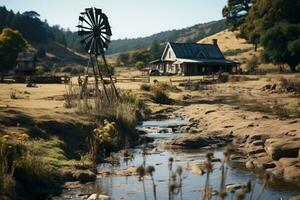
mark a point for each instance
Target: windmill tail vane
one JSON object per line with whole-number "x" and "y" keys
{"x": 95, "y": 32}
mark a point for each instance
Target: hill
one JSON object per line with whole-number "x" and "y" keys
{"x": 189, "y": 34}
{"x": 235, "y": 48}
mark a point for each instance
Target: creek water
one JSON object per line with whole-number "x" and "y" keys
{"x": 128, "y": 187}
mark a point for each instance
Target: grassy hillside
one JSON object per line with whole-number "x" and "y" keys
{"x": 237, "y": 49}
{"x": 190, "y": 34}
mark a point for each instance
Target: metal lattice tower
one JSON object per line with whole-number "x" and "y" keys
{"x": 95, "y": 33}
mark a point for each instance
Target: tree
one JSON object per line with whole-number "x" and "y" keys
{"x": 275, "y": 25}
{"x": 282, "y": 45}
{"x": 11, "y": 43}
{"x": 124, "y": 58}
{"x": 236, "y": 11}
{"x": 155, "y": 50}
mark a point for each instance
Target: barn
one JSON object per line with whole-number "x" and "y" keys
{"x": 190, "y": 59}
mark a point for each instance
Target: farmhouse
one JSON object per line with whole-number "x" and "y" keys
{"x": 193, "y": 59}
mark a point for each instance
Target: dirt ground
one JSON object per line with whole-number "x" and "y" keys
{"x": 240, "y": 108}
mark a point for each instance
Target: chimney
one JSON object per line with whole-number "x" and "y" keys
{"x": 215, "y": 41}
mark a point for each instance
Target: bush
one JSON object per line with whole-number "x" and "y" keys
{"x": 40, "y": 70}
{"x": 290, "y": 85}
{"x": 252, "y": 64}
{"x": 140, "y": 65}
{"x": 74, "y": 70}
{"x": 160, "y": 96}
{"x": 145, "y": 87}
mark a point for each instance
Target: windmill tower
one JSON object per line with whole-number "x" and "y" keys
{"x": 95, "y": 33}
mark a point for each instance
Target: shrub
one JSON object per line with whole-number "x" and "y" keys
{"x": 145, "y": 87}
{"x": 140, "y": 65}
{"x": 290, "y": 85}
{"x": 12, "y": 150}
{"x": 252, "y": 64}
{"x": 280, "y": 110}
{"x": 160, "y": 96}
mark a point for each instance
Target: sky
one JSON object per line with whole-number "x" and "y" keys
{"x": 128, "y": 18}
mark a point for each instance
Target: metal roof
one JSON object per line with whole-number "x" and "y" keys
{"x": 26, "y": 56}
{"x": 196, "y": 51}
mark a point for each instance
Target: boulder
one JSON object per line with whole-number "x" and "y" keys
{"x": 292, "y": 173}
{"x": 283, "y": 148}
{"x": 84, "y": 176}
{"x": 188, "y": 141}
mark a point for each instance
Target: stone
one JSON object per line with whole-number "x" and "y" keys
{"x": 292, "y": 173}
{"x": 99, "y": 197}
{"x": 256, "y": 151}
{"x": 283, "y": 148}
{"x": 188, "y": 141}
{"x": 268, "y": 165}
{"x": 258, "y": 143}
{"x": 233, "y": 187}
{"x": 210, "y": 111}
{"x": 85, "y": 176}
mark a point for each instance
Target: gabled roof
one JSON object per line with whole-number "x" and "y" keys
{"x": 26, "y": 56}
{"x": 196, "y": 51}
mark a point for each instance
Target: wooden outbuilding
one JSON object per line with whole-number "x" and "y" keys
{"x": 26, "y": 63}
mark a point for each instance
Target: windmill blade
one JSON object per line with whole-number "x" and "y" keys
{"x": 106, "y": 39}
{"x": 84, "y": 27}
{"x": 82, "y": 32}
{"x": 84, "y": 20}
{"x": 106, "y": 24}
{"x": 87, "y": 44}
{"x": 90, "y": 14}
{"x": 103, "y": 43}
{"x": 98, "y": 13}
{"x": 86, "y": 38}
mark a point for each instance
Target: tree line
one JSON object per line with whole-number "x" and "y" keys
{"x": 273, "y": 24}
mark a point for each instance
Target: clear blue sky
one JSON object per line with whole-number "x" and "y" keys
{"x": 128, "y": 18}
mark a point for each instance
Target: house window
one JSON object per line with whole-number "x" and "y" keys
{"x": 169, "y": 54}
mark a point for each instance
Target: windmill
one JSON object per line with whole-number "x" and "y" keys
{"x": 95, "y": 33}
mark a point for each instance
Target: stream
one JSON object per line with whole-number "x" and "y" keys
{"x": 128, "y": 187}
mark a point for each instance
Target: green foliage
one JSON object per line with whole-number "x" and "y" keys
{"x": 145, "y": 87}
{"x": 282, "y": 44}
{"x": 40, "y": 70}
{"x": 160, "y": 95}
{"x": 123, "y": 58}
{"x": 275, "y": 24}
{"x": 11, "y": 43}
{"x": 72, "y": 69}
{"x": 140, "y": 65}
{"x": 12, "y": 150}
{"x": 28, "y": 23}
{"x": 155, "y": 50}
{"x": 235, "y": 12}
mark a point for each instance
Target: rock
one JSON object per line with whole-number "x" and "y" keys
{"x": 292, "y": 173}
{"x": 250, "y": 165}
{"x": 283, "y": 148}
{"x": 268, "y": 165}
{"x": 233, "y": 187}
{"x": 273, "y": 86}
{"x": 256, "y": 151}
{"x": 210, "y": 111}
{"x": 258, "y": 143}
{"x": 236, "y": 158}
{"x": 197, "y": 169}
{"x": 188, "y": 141}
{"x": 85, "y": 176}
{"x": 99, "y": 197}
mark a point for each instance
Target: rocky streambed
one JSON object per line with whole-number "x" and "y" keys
{"x": 181, "y": 140}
